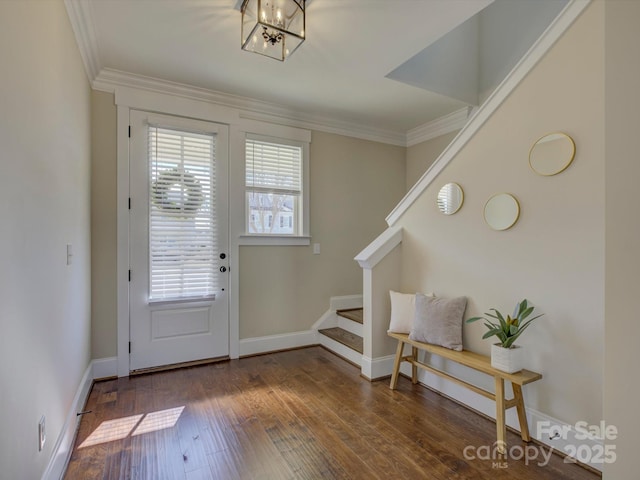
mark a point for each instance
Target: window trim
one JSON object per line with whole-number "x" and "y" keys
{"x": 304, "y": 236}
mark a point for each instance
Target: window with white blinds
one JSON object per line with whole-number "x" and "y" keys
{"x": 182, "y": 221}
{"x": 273, "y": 187}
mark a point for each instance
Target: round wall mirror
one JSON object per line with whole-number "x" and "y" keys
{"x": 552, "y": 154}
{"x": 501, "y": 212}
{"x": 450, "y": 198}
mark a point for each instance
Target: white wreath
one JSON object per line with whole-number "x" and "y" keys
{"x": 163, "y": 184}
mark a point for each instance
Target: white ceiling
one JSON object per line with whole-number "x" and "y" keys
{"x": 338, "y": 72}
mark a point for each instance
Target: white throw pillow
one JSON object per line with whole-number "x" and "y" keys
{"x": 403, "y": 311}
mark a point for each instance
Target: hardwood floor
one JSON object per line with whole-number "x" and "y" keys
{"x": 302, "y": 414}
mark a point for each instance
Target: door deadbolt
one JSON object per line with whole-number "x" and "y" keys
{"x": 223, "y": 256}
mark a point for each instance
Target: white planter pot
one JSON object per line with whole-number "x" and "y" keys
{"x": 507, "y": 359}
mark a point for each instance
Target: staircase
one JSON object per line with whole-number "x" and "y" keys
{"x": 345, "y": 339}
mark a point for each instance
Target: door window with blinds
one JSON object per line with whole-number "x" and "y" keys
{"x": 182, "y": 226}
{"x": 274, "y": 187}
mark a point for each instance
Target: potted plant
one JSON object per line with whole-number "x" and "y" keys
{"x": 505, "y": 355}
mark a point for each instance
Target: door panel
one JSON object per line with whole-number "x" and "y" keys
{"x": 178, "y": 293}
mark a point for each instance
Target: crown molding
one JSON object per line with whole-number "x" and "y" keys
{"x": 80, "y": 16}
{"x": 108, "y": 80}
{"x": 440, "y": 126}
{"x": 550, "y": 36}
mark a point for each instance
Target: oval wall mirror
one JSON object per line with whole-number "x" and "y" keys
{"x": 552, "y": 154}
{"x": 450, "y": 198}
{"x": 501, "y": 212}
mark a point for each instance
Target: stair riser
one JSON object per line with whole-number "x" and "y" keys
{"x": 350, "y": 326}
{"x": 340, "y": 349}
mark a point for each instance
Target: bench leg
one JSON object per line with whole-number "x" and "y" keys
{"x": 414, "y": 367}
{"x": 522, "y": 414}
{"x": 501, "y": 428}
{"x": 396, "y": 365}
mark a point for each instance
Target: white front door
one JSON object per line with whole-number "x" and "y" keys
{"x": 179, "y": 287}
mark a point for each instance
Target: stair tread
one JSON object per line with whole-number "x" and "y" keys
{"x": 355, "y": 314}
{"x": 344, "y": 337}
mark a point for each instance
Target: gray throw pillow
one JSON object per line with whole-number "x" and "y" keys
{"x": 439, "y": 321}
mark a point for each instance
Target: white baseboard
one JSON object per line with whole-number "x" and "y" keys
{"x": 272, "y": 343}
{"x": 345, "y": 301}
{"x": 64, "y": 444}
{"x": 375, "y": 368}
{"x": 570, "y": 442}
{"x": 329, "y": 319}
{"x": 104, "y": 368}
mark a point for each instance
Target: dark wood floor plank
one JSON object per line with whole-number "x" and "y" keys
{"x": 381, "y": 437}
{"x": 252, "y": 444}
{"x": 302, "y": 414}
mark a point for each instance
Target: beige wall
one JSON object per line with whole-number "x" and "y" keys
{"x": 354, "y": 185}
{"x": 621, "y": 390}
{"x": 103, "y": 225}
{"x": 554, "y": 255}
{"x": 421, "y": 156}
{"x": 44, "y": 205}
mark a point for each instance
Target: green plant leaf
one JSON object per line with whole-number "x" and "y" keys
{"x": 526, "y": 313}
{"x": 509, "y": 329}
{"x": 491, "y": 325}
{"x": 474, "y": 319}
{"x": 503, "y": 324}
{"x": 522, "y": 329}
{"x": 530, "y": 320}
{"x": 490, "y": 333}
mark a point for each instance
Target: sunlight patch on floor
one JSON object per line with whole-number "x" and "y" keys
{"x": 119, "y": 428}
{"x": 155, "y": 421}
{"x": 112, "y": 430}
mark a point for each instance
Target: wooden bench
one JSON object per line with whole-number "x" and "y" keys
{"x": 478, "y": 362}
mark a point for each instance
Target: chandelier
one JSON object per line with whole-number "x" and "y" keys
{"x": 274, "y": 28}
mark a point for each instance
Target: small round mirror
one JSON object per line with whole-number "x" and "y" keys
{"x": 450, "y": 198}
{"x": 552, "y": 154}
{"x": 501, "y": 212}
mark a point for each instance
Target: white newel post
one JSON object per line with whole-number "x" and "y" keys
{"x": 381, "y": 264}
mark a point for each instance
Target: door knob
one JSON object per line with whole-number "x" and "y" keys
{"x": 223, "y": 269}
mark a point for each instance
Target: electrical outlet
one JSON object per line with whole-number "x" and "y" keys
{"x": 42, "y": 434}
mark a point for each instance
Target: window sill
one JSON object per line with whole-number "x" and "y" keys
{"x": 282, "y": 240}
